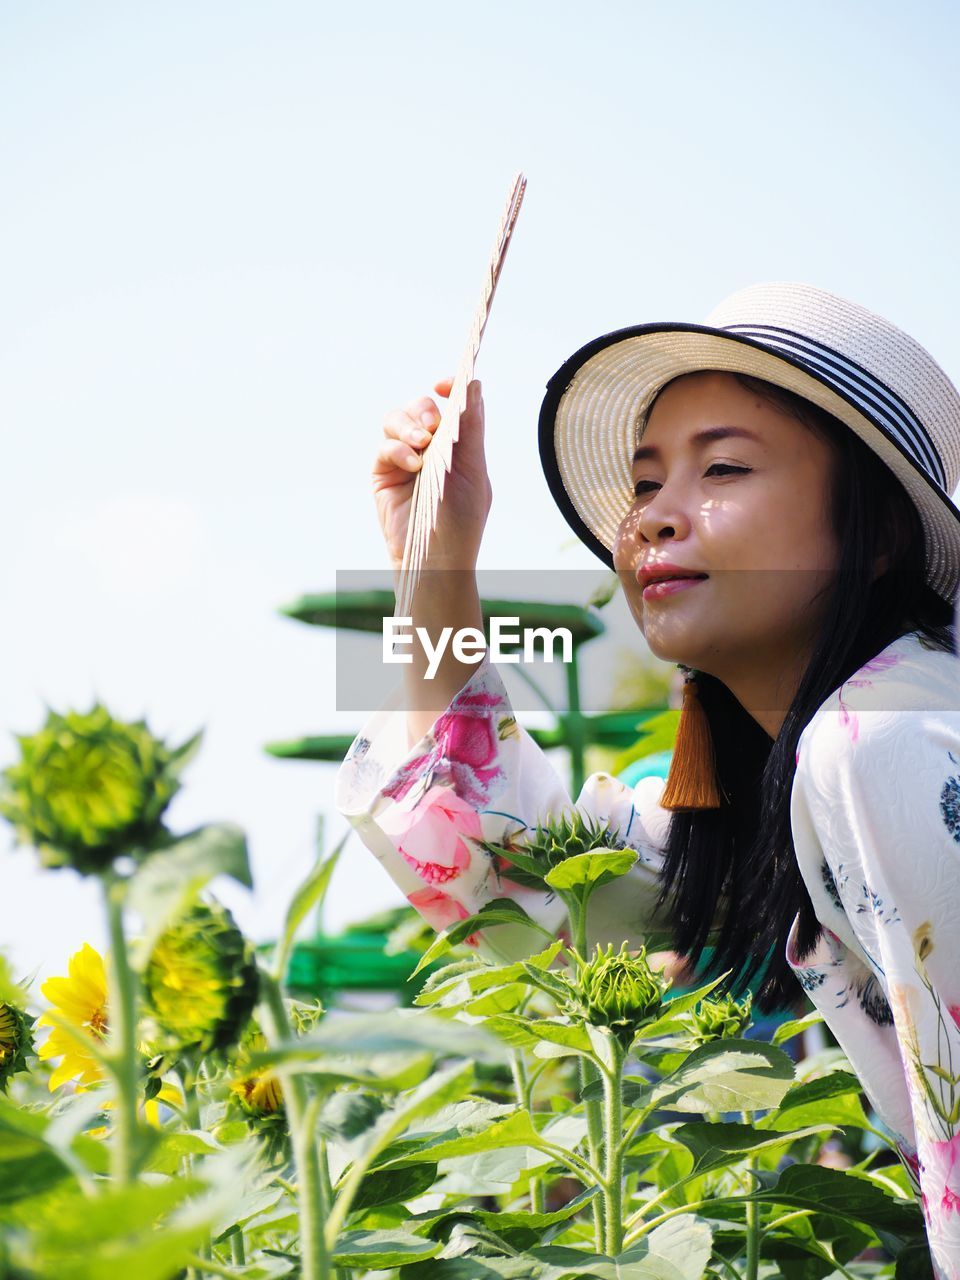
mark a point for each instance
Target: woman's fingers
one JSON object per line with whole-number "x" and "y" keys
{"x": 395, "y": 462}
{"x": 399, "y": 425}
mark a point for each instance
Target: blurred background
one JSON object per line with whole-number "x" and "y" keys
{"x": 234, "y": 235}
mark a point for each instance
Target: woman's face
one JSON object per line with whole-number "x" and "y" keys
{"x": 751, "y": 513}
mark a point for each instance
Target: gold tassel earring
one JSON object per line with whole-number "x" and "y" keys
{"x": 692, "y": 780}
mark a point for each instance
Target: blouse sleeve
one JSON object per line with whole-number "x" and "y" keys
{"x": 882, "y": 796}
{"x": 476, "y": 775}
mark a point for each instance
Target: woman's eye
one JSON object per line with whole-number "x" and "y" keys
{"x": 641, "y": 486}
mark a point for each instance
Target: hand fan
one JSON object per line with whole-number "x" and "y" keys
{"x": 429, "y": 484}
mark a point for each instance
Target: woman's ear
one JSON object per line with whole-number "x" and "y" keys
{"x": 881, "y": 564}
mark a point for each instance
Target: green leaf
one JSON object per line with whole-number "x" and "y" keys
{"x": 715, "y": 1146}
{"x": 842, "y": 1193}
{"x": 507, "y": 1223}
{"x": 831, "y": 1099}
{"x": 684, "y": 1241}
{"x": 441, "y": 1088}
{"x": 727, "y": 1075}
{"x": 635, "y": 1264}
{"x": 787, "y": 1030}
{"x": 310, "y": 893}
{"x": 496, "y": 911}
{"x": 678, "y": 1249}
{"x": 27, "y": 1164}
{"x": 382, "y": 1249}
{"x": 456, "y": 982}
{"x": 394, "y": 1031}
{"x": 590, "y": 870}
{"x": 525, "y": 1267}
{"x": 393, "y": 1186}
{"x": 832, "y": 1192}
{"x": 516, "y": 1130}
{"x": 147, "y": 1231}
{"x": 570, "y": 1035}
{"x": 669, "y": 1020}
{"x": 169, "y": 880}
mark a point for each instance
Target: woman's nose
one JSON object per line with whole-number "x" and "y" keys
{"x": 645, "y": 525}
{"x": 661, "y": 513}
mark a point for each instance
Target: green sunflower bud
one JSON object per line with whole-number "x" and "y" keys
{"x": 88, "y": 787}
{"x": 618, "y": 990}
{"x": 720, "y": 1018}
{"x": 561, "y": 836}
{"x": 16, "y": 1041}
{"x": 201, "y": 982}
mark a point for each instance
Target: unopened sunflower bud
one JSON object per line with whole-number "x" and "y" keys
{"x": 201, "y": 982}
{"x": 16, "y": 1041}
{"x": 721, "y": 1018}
{"x": 561, "y": 837}
{"x": 618, "y": 990}
{"x": 88, "y": 787}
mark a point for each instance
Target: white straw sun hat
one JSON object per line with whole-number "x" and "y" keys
{"x": 851, "y": 362}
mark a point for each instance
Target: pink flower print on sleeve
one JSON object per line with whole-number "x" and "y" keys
{"x": 440, "y": 910}
{"x": 940, "y": 1174}
{"x": 431, "y": 836}
{"x": 882, "y": 662}
{"x": 465, "y": 751}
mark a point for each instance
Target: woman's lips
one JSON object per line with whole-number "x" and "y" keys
{"x": 667, "y": 586}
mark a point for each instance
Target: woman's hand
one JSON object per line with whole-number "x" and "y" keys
{"x": 467, "y": 494}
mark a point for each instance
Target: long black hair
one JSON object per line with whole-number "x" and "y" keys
{"x": 735, "y": 868}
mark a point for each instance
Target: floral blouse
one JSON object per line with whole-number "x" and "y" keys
{"x": 875, "y": 813}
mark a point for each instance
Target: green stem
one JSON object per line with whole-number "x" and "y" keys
{"x": 326, "y": 1186}
{"x": 523, "y": 1089}
{"x": 752, "y": 1211}
{"x": 593, "y": 1108}
{"x": 613, "y": 1150}
{"x": 238, "y": 1254}
{"x": 582, "y": 1169}
{"x": 189, "y": 1071}
{"x": 314, "y": 1259}
{"x": 122, "y": 1006}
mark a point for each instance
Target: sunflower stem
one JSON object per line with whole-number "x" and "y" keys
{"x": 237, "y": 1252}
{"x": 314, "y": 1259}
{"x": 523, "y": 1087}
{"x": 613, "y": 1149}
{"x": 752, "y": 1214}
{"x": 123, "y": 1033}
{"x": 593, "y": 1108}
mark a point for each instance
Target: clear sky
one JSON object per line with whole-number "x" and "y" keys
{"x": 233, "y": 235}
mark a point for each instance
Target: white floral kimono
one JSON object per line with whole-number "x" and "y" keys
{"x": 875, "y": 812}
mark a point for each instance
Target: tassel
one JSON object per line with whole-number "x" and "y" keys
{"x": 692, "y": 780}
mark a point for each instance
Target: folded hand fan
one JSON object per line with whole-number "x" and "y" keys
{"x": 429, "y": 484}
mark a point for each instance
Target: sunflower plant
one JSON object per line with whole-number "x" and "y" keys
{"x": 561, "y": 1116}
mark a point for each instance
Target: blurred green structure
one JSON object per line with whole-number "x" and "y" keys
{"x": 357, "y": 960}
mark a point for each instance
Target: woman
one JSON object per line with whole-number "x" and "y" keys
{"x": 789, "y": 464}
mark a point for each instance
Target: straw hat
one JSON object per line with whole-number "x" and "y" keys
{"x": 851, "y": 362}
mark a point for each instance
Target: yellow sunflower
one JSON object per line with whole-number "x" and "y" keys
{"x": 81, "y": 999}
{"x": 258, "y": 1092}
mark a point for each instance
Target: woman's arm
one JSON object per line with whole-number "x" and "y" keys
{"x": 477, "y": 775}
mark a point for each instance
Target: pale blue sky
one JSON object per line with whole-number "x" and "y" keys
{"x": 233, "y": 235}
